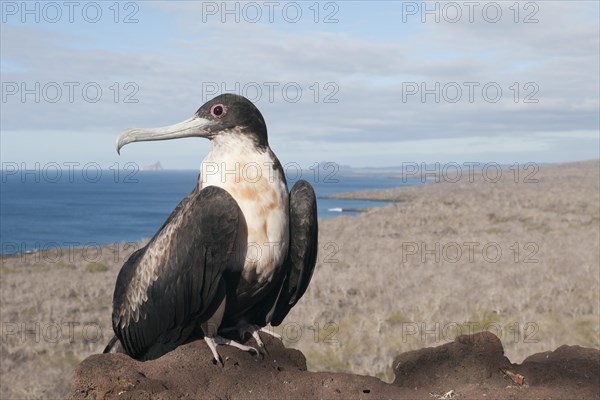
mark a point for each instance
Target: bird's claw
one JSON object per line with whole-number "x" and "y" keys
{"x": 245, "y": 330}
{"x": 218, "y": 361}
{"x": 215, "y": 341}
{"x": 259, "y": 341}
{"x": 253, "y": 330}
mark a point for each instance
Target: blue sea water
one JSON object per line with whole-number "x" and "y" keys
{"x": 75, "y": 209}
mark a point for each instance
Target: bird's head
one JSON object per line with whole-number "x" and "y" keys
{"x": 226, "y": 113}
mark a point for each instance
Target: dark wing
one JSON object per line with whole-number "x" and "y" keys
{"x": 302, "y": 253}
{"x": 166, "y": 288}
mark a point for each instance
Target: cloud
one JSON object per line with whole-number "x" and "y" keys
{"x": 365, "y": 64}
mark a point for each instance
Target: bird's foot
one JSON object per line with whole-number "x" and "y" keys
{"x": 214, "y": 341}
{"x": 245, "y": 328}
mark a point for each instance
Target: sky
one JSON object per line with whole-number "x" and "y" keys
{"x": 358, "y": 83}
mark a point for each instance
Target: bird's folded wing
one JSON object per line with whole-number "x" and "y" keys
{"x": 302, "y": 254}
{"x": 176, "y": 277}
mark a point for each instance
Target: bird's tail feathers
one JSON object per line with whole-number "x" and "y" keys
{"x": 111, "y": 345}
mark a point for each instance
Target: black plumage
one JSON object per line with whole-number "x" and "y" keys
{"x": 199, "y": 234}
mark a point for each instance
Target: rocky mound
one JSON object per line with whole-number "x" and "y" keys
{"x": 470, "y": 367}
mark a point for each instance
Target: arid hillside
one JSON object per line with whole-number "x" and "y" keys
{"x": 517, "y": 257}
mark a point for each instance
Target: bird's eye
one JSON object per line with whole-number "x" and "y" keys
{"x": 218, "y": 110}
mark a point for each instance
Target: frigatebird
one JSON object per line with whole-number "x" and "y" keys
{"x": 235, "y": 255}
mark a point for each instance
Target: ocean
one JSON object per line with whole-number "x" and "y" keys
{"x": 41, "y": 211}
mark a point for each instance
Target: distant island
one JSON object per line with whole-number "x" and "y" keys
{"x": 153, "y": 167}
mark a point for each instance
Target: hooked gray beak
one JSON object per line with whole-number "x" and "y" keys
{"x": 192, "y": 127}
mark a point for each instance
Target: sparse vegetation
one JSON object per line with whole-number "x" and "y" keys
{"x": 62, "y": 264}
{"x": 587, "y": 329}
{"x": 543, "y": 292}
{"x": 396, "y": 317}
{"x": 96, "y": 267}
{"x": 544, "y": 282}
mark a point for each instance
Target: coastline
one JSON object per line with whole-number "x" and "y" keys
{"x": 388, "y": 278}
